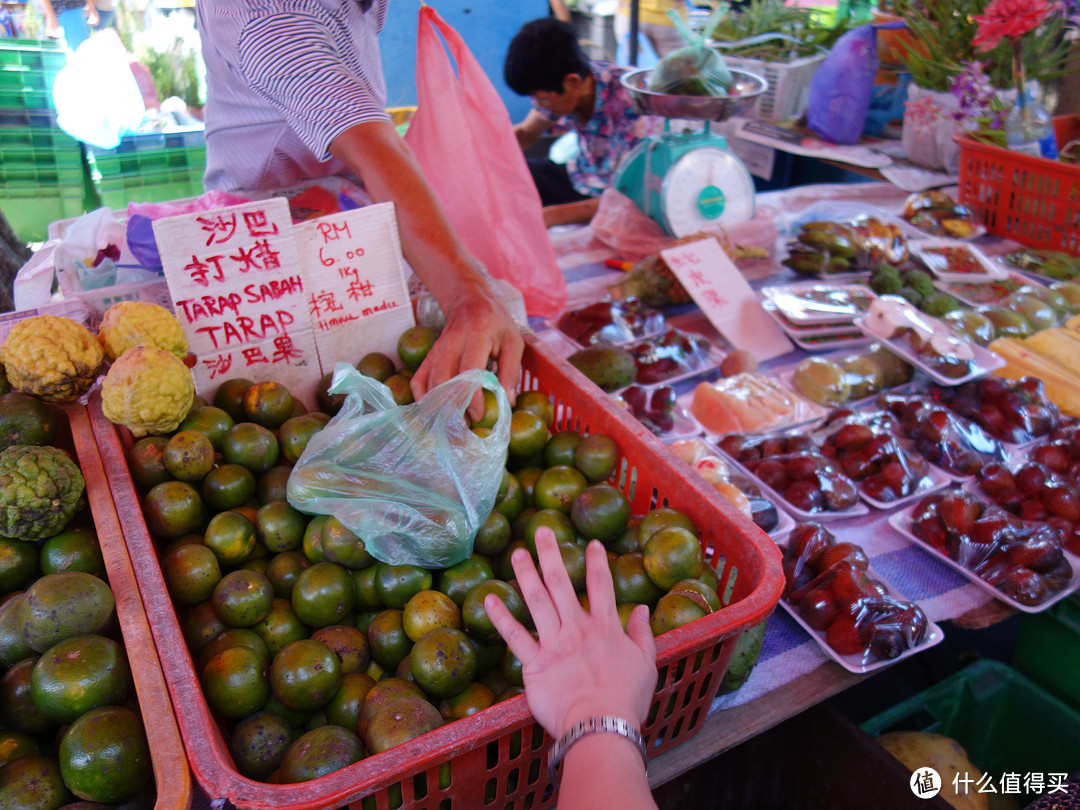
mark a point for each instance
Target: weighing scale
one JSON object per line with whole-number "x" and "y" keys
{"x": 689, "y": 182}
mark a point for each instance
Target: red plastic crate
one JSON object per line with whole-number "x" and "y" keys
{"x": 172, "y": 776}
{"x": 1028, "y": 199}
{"x": 497, "y": 757}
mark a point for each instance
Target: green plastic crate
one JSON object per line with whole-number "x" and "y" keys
{"x": 1048, "y": 649}
{"x": 1006, "y": 723}
{"x": 30, "y": 211}
{"x": 152, "y": 161}
{"x": 38, "y": 138}
{"x": 29, "y": 175}
{"x": 14, "y": 79}
{"x": 117, "y": 192}
{"x": 39, "y": 54}
{"x": 24, "y": 98}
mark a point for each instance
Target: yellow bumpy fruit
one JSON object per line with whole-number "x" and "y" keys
{"x": 139, "y": 323}
{"x": 53, "y": 358}
{"x": 148, "y": 391}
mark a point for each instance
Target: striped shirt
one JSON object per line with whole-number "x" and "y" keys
{"x": 284, "y": 79}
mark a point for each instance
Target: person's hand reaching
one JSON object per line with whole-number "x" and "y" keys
{"x": 583, "y": 664}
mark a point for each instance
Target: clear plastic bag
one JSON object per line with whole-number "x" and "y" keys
{"x": 412, "y": 481}
{"x": 695, "y": 69}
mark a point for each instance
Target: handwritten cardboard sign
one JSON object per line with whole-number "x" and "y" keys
{"x": 726, "y": 298}
{"x": 357, "y": 297}
{"x": 239, "y": 291}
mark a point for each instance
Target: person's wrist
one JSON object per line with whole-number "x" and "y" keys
{"x": 597, "y": 706}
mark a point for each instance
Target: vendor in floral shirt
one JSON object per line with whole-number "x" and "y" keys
{"x": 545, "y": 62}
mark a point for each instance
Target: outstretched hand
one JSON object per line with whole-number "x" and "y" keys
{"x": 583, "y": 664}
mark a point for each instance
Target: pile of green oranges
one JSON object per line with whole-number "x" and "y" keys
{"x": 314, "y": 653}
{"x": 70, "y": 726}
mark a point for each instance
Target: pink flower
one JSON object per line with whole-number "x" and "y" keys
{"x": 1009, "y": 18}
{"x": 924, "y": 111}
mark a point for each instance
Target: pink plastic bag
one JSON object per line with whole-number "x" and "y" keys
{"x": 462, "y": 136}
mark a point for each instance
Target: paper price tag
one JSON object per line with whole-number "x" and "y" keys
{"x": 239, "y": 292}
{"x": 358, "y": 299}
{"x": 726, "y": 298}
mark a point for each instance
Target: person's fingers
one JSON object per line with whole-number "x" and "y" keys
{"x": 598, "y": 583}
{"x": 509, "y": 360}
{"x": 637, "y": 627}
{"x": 556, "y": 578}
{"x": 517, "y": 638}
{"x": 533, "y": 591}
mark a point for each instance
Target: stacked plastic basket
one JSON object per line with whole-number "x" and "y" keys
{"x": 41, "y": 167}
{"x": 149, "y": 167}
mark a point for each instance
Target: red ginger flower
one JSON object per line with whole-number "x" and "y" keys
{"x": 1009, "y": 18}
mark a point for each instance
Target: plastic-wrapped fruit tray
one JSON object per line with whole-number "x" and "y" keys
{"x": 901, "y": 521}
{"x": 498, "y": 756}
{"x": 171, "y": 774}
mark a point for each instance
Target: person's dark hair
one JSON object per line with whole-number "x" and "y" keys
{"x": 541, "y": 55}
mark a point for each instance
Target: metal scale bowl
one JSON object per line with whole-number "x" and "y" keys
{"x": 689, "y": 182}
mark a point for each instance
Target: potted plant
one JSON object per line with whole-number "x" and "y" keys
{"x": 958, "y": 82}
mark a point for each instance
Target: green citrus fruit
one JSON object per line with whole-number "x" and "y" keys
{"x": 281, "y": 626}
{"x": 72, "y": 550}
{"x": 258, "y": 744}
{"x": 400, "y": 389}
{"x": 283, "y": 570}
{"x": 104, "y": 755}
{"x": 59, "y": 606}
{"x": 631, "y": 582}
{"x": 146, "y": 462}
{"x": 343, "y": 547}
{"x": 191, "y": 573}
{"x": 537, "y": 402}
{"x": 234, "y": 637}
{"x": 558, "y": 487}
{"x": 295, "y": 434}
{"x": 443, "y": 662}
{"x": 280, "y": 527}
{"x": 12, "y": 647}
{"x": 674, "y": 610}
{"x": 560, "y": 448}
{"x": 19, "y": 561}
{"x": 527, "y": 477}
{"x": 200, "y": 626}
{"x": 428, "y": 610}
{"x": 349, "y": 644}
{"x": 323, "y": 595}
{"x": 242, "y": 598}
{"x": 457, "y": 580}
{"x": 234, "y": 681}
{"x": 79, "y": 674}
{"x": 33, "y": 781}
{"x": 250, "y": 445}
{"x": 367, "y": 598}
{"x": 188, "y": 456}
{"x": 327, "y": 402}
{"x": 227, "y": 487}
{"x": 559, "y": 523}
{"x": 268, "y": 404}
{"x": 344, "y": 707}
{"x": 319, "y": 752}
{"x": 493, "y": 536}
{"x": 468, "y": 701}
{"x": 230, "y": 397}
{"x": 15, "y": 744}
{"x": 672, "y": 554}
{"x": 474, "y": 615}
{"x": 212, "y": 422}
{"x": 18, "y": 711}
{"x": 596, "y": 457}
{"x": 528, "y": 434}
{"x": 270, "y": 485}
{"x": 600, "y": 512}
{"x": 697, "y": 591}
{"x": 172, "y": 509}
{"x": 376, "y": 365}
{"x": 396, "y": 584}
{"x": 513, "y": 500}
{"x": 25, "y": 420}
{"x": 305, "y": 674}
{"x": 387, "y": 639}
{"x": 662, "y": 518}
{"x": 573, "y": 557}
{"x": 312, "y": 542}
{"x": 401, "y": 721}
{"x": 414, "y": 344}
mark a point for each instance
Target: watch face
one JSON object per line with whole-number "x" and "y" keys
{"x": 706, "y": 186}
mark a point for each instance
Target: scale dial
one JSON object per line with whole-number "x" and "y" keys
{"x": 706, "y": 186}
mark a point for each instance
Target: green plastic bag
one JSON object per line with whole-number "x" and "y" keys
{"x": 696, "y": 69}
{"x": 412, "y": 481}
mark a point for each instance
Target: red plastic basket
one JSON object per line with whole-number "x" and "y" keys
{"x": 171, "y": 774}
{"x": 497, "y": 757}
{"x": 1031, "y": 200}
